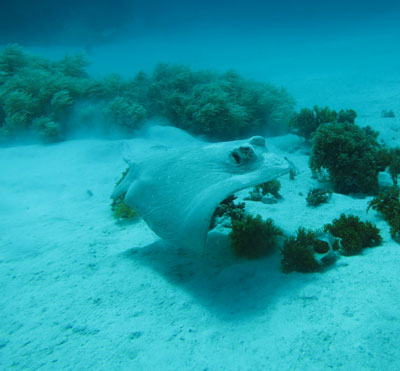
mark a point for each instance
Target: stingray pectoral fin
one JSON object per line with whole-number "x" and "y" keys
{"x": 200, "y": 211}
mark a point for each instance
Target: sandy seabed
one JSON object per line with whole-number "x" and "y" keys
{"x": 80, "y": 291}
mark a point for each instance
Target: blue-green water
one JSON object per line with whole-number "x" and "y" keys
{"x": 80, "y": 291}
{"x": 96, "y": 22}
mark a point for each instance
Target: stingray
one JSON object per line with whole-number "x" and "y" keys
{"x": 176, "y": 183}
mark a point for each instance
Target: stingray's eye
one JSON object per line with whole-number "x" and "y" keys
{"x": 242, "y": 154}
{"x": 257, "y": 141}
{"x": 246, "y": 151}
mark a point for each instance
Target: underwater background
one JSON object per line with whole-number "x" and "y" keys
{"x": 273, "y": 41}
{"x": 74, "y": 22}
{"x": 87, "y": 285}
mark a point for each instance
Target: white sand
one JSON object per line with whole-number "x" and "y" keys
{"x": 80, "y": 291}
